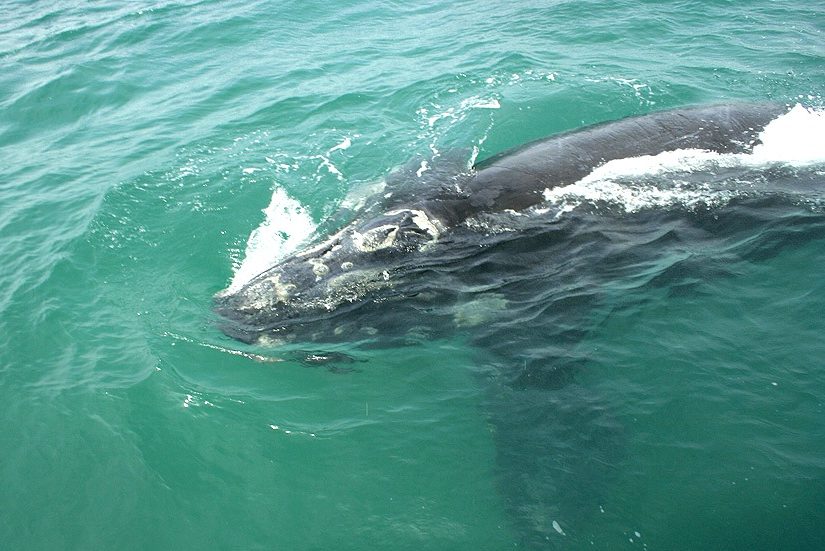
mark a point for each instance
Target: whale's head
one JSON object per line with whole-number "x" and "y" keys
{"x": 304, "y": 293}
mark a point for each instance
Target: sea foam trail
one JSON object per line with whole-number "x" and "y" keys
{"x": 795, "y": 139}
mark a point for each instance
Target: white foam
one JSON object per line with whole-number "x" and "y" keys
{"x": 631, "y": 198}
{"x": 286, "y": 226}
{"x": 796, "y": 139}
{"x": 331, "y": 168}
{"x": 680, "y": 160}
{"x": 459, "y": 113}
{"x": 641, "y": 90}
{"x": 345, "y": 144}
{"x": 476, "y": 102}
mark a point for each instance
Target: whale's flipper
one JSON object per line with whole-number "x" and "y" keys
{"x": 558, "y": 453}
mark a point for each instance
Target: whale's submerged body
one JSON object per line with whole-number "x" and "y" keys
{"x": 518, "y": 254}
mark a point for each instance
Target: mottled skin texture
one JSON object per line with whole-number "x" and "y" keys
{"x": 368, "y": 259}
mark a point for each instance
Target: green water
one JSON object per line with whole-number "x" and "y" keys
{"x": 139, "y": 146}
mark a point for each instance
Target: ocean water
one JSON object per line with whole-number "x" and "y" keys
{"x": 156, "y": 154}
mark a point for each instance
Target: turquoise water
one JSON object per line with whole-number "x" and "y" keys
{"x": 139, "y": 148}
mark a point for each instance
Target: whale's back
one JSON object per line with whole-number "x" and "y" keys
{"x": 514, "y": 179}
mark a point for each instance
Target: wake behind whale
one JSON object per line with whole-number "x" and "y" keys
{"x": 524, "y": 253}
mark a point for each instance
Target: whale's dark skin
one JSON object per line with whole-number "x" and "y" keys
{"x": 376, "y": 257}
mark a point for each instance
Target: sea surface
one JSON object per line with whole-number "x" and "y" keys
{"x": 155, "y": 153}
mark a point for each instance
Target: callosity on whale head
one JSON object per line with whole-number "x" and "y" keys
{"x": 359, "y": 260}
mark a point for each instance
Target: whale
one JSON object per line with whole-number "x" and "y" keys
{"x": 496, "y": 255}
{"x": 384, "y": 268}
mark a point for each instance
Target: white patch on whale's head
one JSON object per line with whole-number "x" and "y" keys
{"x": 280, "y": 292}
{"x": 430, "y": 226}
{"x": 375, "y": 239}
{"x": 318, "y": 268}
{"x": 405, "y": 229}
